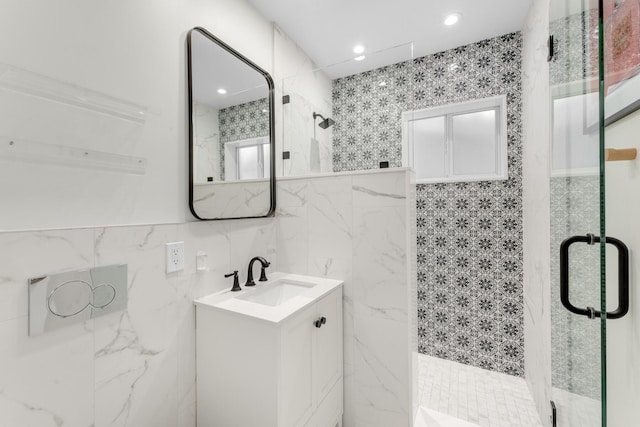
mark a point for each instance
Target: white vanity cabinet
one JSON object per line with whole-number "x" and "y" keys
{"x": 255, "y": 372}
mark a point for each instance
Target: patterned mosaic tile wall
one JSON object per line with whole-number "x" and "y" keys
{"x": 574, "y": 43}
{"x": 470, "y": 302}
{"x": 575, "y": 340}
{"x": 242, "y": 121}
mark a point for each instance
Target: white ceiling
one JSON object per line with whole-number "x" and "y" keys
{"x": 214, "y": 68}
{"x": 327, "y": 30}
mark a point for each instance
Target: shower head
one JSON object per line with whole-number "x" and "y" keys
{"x": 325, "y": 123}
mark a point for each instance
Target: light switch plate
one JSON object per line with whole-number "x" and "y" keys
{"x": 175, "y": 257}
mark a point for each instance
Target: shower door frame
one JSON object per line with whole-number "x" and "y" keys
{"x": 579, "y": 221}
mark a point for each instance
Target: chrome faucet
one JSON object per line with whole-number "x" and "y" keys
{"x": 263, "y": 275}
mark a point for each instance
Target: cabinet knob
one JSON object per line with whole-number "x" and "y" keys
{"x": 321, "y": 321}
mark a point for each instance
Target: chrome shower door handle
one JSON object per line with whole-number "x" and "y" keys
{"x": 623, "y": 276}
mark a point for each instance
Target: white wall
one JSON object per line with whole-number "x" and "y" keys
{"x": 622, "y": 200}
{"x": 133, "y": 51}
{"x": 358, "y": 228}
{"x": 536, "y": 206}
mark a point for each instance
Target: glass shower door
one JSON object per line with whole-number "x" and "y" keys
{"x": 577, "y": 218}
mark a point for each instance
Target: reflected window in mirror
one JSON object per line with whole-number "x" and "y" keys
{"x": 248, "y": 159}
{"x": 231, "y": 132}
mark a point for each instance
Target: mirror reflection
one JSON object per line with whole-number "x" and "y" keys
{"x": 231, "y": 132}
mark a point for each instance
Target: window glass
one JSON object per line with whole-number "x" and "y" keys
{"x": 248, "y": 162}
{"x": 457, "y": 142}
{"x": 429, "y": 147}
{"x": 473, "y": 139}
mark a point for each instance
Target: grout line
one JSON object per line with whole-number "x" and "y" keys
{"x": 474, "y": 394}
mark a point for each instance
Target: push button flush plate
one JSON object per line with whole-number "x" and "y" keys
{"x": 58, "y": 300}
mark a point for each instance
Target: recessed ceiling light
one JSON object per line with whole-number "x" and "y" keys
{"x": 451, "y": 19}
{"x": 383, "y": 83}
{"x": 222, "y": 91}
{"x": 359, "y": 58}
{"x": 358, "y": 49}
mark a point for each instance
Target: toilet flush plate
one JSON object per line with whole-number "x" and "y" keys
{"x": 62, "y": 299}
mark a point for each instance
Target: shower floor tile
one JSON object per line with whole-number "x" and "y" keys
{"x": 487, "y": 398}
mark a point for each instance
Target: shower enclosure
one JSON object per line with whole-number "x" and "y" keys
{"x": 593, "y": 57}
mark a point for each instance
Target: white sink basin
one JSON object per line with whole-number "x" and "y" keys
{"x": 277, "y": 292}
{"x": 271, "y": 301}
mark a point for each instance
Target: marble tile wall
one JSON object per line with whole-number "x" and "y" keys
{"x": 536, "y": 206}
{"x": 357, "y": 228}
{"x": 137, "y": 367}
{"x": 469, "y": 235}
{"x": 241, "y": 198}
{"x": 133, "y": 368}
{"x": 206, "y": 148}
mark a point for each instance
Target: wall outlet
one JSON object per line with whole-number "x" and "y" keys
{"x": 175, "y": 257}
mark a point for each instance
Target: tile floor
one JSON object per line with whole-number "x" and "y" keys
{"x": 475, "y": 395}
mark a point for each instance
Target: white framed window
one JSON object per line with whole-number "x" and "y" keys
{"x": 247, "y": 159}
{"x": 457, "y": 142}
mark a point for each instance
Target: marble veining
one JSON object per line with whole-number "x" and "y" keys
{"x": 355, "y": 228}
{"x": 204, "y": 197}
{"x": 137, "y": 368}
{"x": 35, "y": 410}
{"x": 374, "y": 193}
{"x": 132, "y": 368}
{"x": 122, "y": 416}
{"x": 232, "y": 199}
{"x": 535, "y": 203}
{"x": 124, "y": 338}
{"x": 292, "y": 193}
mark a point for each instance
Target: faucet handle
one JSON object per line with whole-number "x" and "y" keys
{"x": 263, "y": 274}
{"x": 236, "y": 284}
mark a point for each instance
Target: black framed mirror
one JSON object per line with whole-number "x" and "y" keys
{"x": 231, "y": 132}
